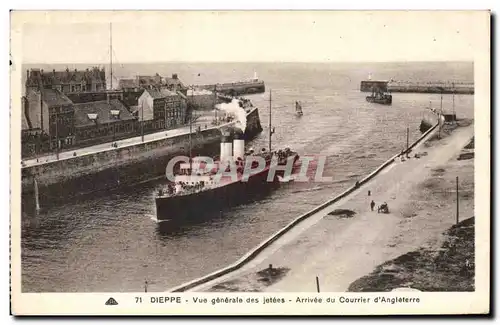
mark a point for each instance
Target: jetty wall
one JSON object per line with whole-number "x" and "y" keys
{"x": 237, "y": 88}
{"x": 431, "y": 87}
{"x": 373, "y": 85}
{"x": 257, "y": 250}
{"x": 122, "y": 166}
{"x": 418, "y": 87}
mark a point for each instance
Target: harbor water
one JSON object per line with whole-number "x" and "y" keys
{"x": 110, "y": 241}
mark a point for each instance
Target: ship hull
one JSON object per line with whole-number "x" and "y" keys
{"x": 194, "y": 206}
{"x": 425, "y": 125}
{"x": 383, "y": 101}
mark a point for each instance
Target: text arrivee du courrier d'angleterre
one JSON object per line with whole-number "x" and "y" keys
{"x": 276, "y": 300}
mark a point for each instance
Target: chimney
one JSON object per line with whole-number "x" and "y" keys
{"x": 174, "y": 76}
{"x": 238, "y": 145}
{"x": 226, "y": 148}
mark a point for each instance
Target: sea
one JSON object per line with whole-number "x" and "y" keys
{"x": 110, "y": 241}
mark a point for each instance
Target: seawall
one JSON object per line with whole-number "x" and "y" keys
{"x": 257, "y": 250}
{"x": 417, "y": 87}
{"x": 237, "y": 88}
{"x": 122, "y": 166}
{"x": 431, "y": 88}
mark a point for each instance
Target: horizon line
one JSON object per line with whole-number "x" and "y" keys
{"x": 274, "y": 62}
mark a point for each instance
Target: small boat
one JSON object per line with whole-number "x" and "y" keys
{"x": 425, "y": 125}
{"x": 298, "y": 109}
{"x": 380, "y": 97}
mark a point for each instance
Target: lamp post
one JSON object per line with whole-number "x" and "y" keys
{"x": 57, "y": 134}
{"x": 115, "y": 113}
{"x": 440, "y": 115}
{"x": 142, "y": 122}
{"x": 215, "y": 102}
{"x": 165, "y": 114}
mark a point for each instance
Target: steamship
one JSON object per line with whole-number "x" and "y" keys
{"x": 379, "y": 97}
{"x": 197, "y": 188}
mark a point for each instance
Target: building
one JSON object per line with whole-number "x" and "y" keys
{"x": 201, "y": 99}
{"x": 50, "y": 111}
{"x": 102, "y": 121}
{"x": 174, "y": 84}
{"x": 95, "y": 96}
{"x": 165, "y": 108}
{"x": 128, "y": 85}
{"x": 146, "y": 82}
{"x": 67, "y": 81}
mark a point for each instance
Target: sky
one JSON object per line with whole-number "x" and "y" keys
{"x": 242, "y": 36}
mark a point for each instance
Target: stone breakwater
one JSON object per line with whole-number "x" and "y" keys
{"x": 122, "y": 166}
{"x": 418, "y": 87}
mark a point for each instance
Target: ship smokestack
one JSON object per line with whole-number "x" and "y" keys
{"x": 238, "y": 145}
{"x": 226, "y": 148}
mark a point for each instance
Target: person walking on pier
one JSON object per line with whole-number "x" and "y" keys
{"x": 372, "y": 205}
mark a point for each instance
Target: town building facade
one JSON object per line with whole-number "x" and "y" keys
{"x": 67, "y": 81}
{"x": 147, "y": 82}
{"x": 50, "y": 111}
{"x": 161, "y": 108}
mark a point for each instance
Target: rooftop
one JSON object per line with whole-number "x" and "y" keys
{"x": 127, "y": 83}
{"x": 157, "y": 93}
{"x": 197, "y": 92}
{"x": 173, "y": 81}
{"x": 101, "y": 112}
{"x": 53, "y": 97}
{"x": 67, "y": 76}
{"x": 148, "y": 80}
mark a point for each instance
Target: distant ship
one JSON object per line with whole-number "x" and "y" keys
{"x": 298, "y": 109}
{"x": 197, "y": 190}
{"x": 379, "y": 97}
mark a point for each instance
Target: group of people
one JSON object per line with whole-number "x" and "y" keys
{"x": 283, "y": 154}
{"x": 382, "y": 208}
{"x": 172, "y": 190}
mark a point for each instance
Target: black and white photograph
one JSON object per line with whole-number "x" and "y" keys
{"x": 270, "y": 160}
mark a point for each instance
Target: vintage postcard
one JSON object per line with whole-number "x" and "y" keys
{"x": 250, "y": 162}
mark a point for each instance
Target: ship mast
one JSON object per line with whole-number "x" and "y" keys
{"x": 190, "y": 143}
{"x": 270, "y": 130}
{"x": 111, "y": 56}
{"x": 453, "y": 86}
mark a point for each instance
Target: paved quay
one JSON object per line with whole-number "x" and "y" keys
{"x": 202, "y": 121}
{"x": 339, "y": 251}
